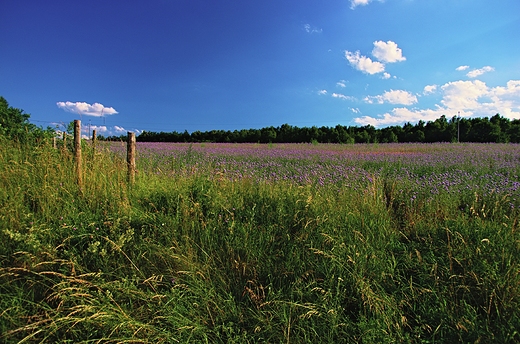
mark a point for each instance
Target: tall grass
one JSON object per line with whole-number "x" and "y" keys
{"x": 193, "y": 253}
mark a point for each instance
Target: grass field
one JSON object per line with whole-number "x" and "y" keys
{"x": 261, "y": 243}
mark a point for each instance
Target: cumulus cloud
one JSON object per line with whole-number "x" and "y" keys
{"x": 355, "y": 3}
{"x": 363, "y": 63}
{"x": 342, "y": 96}
{"x": 399, "y": 97}
{"x": 477, "y": 99}
{"x": 393, "y": 97}
{"x": 100, "y": 129}
{"x": 461, "y": 68}
{"x": 428, "y": 89}
{"x": 384, "y": 52}
{"x": 322, "y": 92}
{"x": 82, "y": 108}
{"x": 463, "y": 94}
{"x": 470, "y": 98}
{"x": 387, "y": 52}
{"x": 507, "y": 99}
{"x": 477, "y": 72}
{"x": 511, "y": 92}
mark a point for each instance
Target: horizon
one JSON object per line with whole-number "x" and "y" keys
{"x": 192, "y": 66}
{"x": 86, "y": 129}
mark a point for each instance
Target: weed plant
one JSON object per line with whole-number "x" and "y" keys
{"x": 357, "y": 245}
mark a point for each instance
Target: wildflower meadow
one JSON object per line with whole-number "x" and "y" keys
{"x": 261, "y": 243}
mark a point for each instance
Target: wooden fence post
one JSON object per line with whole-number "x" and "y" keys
{"x": 130, "y": 157}
{"x": 77, "y": 151}
{"x": 94, "y": 139}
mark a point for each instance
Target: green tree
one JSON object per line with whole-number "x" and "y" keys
{"x": 438, "y": 130}
{"x": 342, "y": 133}
{"x": 388, "y": 135}
{"x": 500, "y": 129}
{"x": 286, "y": 133}
{"x": 268, "y": 135}
{"x": 12, "y": 121}
{"x": 14, "y": 124}
{"x": 514, "y": 131}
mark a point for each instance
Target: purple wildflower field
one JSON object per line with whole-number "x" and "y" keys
{"x": 420, "y": 169}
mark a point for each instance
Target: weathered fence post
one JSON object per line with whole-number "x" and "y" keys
{"x": 77, "y": 151}
{"x": 94, "y": 140}
{"x": 130, "y": 157}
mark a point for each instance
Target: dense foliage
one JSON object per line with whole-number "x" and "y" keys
{"x": 494, "y": 129}
{"x": 15, "y": 125}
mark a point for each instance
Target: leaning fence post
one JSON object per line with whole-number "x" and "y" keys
{"x": 130, "y": 157}
{"x": 77, "y": 151}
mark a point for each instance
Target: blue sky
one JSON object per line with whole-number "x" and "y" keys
{"x": 165, "y": 65}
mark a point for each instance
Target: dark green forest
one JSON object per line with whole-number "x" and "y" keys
{"x": 494, "y": 129}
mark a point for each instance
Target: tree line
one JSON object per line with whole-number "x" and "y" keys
{"x": 495, "y": 129}
{"x": 15, "y": 125}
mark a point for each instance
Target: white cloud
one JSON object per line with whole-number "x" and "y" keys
{"x": 470, "y": 98}
{"x": 355, "y": 110}
{"x": 311, "y": 29}
{"x": 463, "y": 94}
{"x": 510, "y": 92}
{"x": 322, "y": 92}
{"x": 342, "y": 96}
{"x": 81, "y": 108}
{"x": 507, "y": 99}
{"x": 355, "y": 3}
{"x": 371, "y": 99}
{"x": 363, "y": 63}
{"x": 461, "y": 68}
{"x": 477, "y": 72}
{"x": 99, "y": 129}
{"x": 118, "y": 131}
{"x": 393, "y": 97}
{"x": 428, "y": 89}
{"x": 400, "y": 97}
{"x": 87, "y": 131}
{"x": 341, "y": 83}
{"x": 387, "y": 52}
{"x": 398, "y": 116}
